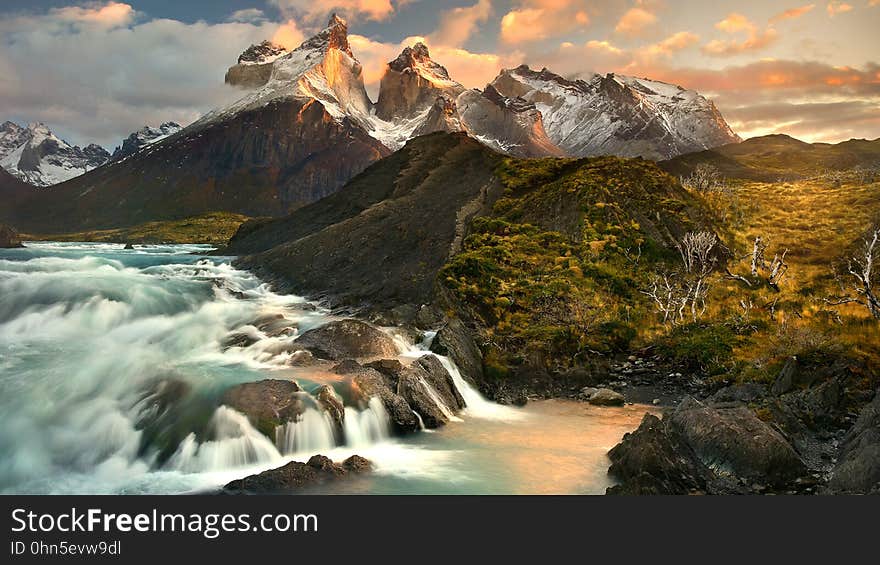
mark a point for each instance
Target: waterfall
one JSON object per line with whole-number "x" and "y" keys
{"x": 311, "y": 432}
{"x": 438, "y": 401}
{"x": 235, "y": 444}
{"x": 368, "y": 426}
{"x": 112, "y": 364}
{"x": 476, "y": 404}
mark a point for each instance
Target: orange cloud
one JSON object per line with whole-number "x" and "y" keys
{"x": 835, "y": 8}
{"x": 756, "y": 42}
{"x": 288, "y": 35}
{"x": 603, "y": 46}
{"x": 635, "y": 21}
{"x": 110, "y": 15}
{"x": 535, "y": 20}
{"x": 519, "y": 26}
{"x": 457, "y": 25}
{"x": 673, "y": 43}
{"x": 793, "y": 13}
{"x": 736, "y": 23}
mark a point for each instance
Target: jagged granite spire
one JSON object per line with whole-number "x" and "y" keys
{"x": 334, "y": 36}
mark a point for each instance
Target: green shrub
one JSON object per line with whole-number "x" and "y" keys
{"x": 700, "y": 347}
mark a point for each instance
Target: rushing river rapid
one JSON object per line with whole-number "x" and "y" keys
{"x": 96, "y": 342}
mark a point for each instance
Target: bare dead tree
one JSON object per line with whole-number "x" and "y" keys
{"x": 669, "y": 297}
{"x": 705, "y": 178}
{"x": 676, "y": 293}
{"x": 697, "y": 250}
{"x": 758, "y": 255}
{"x": 772, "y": 272}
{"x": 861, "y": 268}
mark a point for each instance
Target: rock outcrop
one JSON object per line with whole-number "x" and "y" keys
{"x": 704, "y": 448}
{"x": 9, "y": 238}
{"x": 267, "y": 404}
{"x": 347, "y": 339}
{"x": 254, "y": 67}
{"x": 858, "y": 468}
{"x": 297, "y": 476}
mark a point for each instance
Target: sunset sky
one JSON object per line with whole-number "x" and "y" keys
{"x": 95, "y": 71}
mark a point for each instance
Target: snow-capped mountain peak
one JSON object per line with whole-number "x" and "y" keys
{"x": 618, "y": 115}
{"x": 323, "y": 68}
{"x": 147, "y": 135}
{"x": 38, "y": 157}
{"x": 417, "y": 59}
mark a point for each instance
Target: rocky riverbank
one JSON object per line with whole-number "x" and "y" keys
{"x": 811, "y": 431}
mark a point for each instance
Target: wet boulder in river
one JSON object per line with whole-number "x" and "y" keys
{"x": 332, "y": 405}
{"x": 426, "y": 385}
{"x": 267, "y": 404}
{"x": 368, "y": 383}
{"x": 347, "y": 339}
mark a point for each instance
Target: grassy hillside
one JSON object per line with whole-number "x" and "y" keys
{"x": 555, "y": 272}
{"x": 214, "y": 229}
{"x": 558, "y": 274}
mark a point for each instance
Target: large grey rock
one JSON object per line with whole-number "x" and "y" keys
{"x": 347, "y": 339}
{"x": 455, "y": 340}
{"x": 267, "y": 404}
{"x": 858, "y": 469}
{"x": 651, "y": 460}
{"x": 368, "y": 383}
{"x": 731, "y": 440}
{"x": 426, "y": 386}
{"x": 606, "y": 397}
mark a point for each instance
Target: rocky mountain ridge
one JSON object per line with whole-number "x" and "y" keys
{"x": 143, "y": 137}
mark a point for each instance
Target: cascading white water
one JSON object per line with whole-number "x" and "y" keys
{"x": 235, "y": 443}
{"x": 476, "y": 404}
{"x": 438, "y": 401}
{"x": 368, "y": 426}
{"x": 311, "y": 432}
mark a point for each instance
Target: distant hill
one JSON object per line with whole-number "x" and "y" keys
{"x": 773, "y": 157}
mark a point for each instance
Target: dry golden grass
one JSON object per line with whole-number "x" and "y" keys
{"x": 820, "y": 224}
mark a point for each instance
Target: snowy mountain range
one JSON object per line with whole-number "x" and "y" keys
{"x": 38, "y": 157}
{"x": 522, "y": 112}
